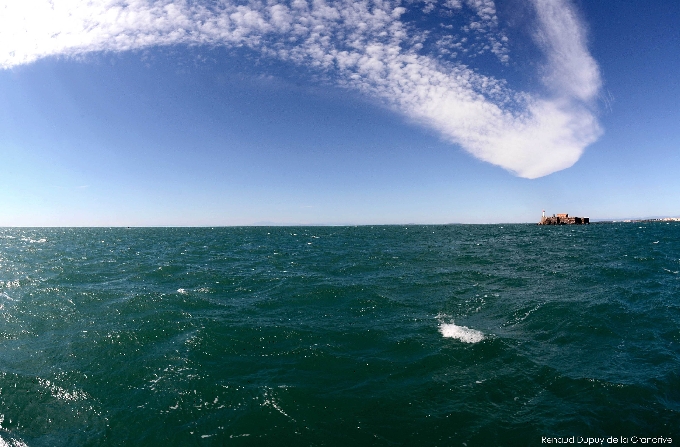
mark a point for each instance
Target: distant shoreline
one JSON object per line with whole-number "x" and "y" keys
{"x": 660, "y": 219}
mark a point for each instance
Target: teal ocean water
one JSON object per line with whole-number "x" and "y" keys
{"x": 469, "y": 335}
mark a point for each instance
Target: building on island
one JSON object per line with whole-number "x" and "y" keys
{"x": 563, "y": 219}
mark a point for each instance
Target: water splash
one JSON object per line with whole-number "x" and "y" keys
{"x": 462, "y": 333}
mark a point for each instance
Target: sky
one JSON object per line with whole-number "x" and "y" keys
{"x": 248, "y": 112}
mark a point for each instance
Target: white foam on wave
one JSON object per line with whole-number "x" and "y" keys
{"x": 462, "y": 333}
{"x": 11, "y": 442}
{"x": 61, "y": 393}
{"x": 42, "y": 240}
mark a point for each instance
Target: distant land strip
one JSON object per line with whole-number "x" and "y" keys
{"x": 659, "y": 219}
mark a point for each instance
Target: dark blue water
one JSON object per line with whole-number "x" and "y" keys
{"x": 429, "y": 335}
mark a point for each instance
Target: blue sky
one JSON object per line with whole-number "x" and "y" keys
{"x": 308, "y": 112}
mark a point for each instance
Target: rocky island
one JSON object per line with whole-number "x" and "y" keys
{"x": 563, "y": 219}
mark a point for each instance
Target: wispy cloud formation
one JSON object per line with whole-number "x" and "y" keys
{"x": 366, "y": 45}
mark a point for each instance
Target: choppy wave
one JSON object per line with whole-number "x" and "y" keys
{"x": 206, "y": 335}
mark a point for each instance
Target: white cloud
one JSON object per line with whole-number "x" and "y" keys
{"x": 365, "y": 45}
{"x": 571, "y": 69}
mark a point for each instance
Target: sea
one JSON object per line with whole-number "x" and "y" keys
{"x": 414, "y": 335}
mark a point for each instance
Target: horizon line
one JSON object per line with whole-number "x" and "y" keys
{"x": 272, "y": 224}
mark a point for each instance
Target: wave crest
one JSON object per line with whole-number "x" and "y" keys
{"x": 462, "y": 333}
